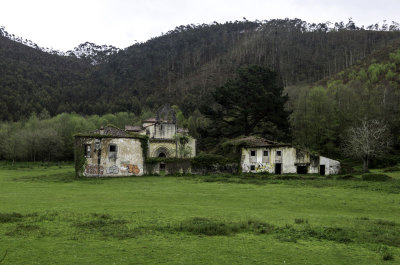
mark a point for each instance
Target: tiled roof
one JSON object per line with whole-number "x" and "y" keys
{"x": 111, "y": 131}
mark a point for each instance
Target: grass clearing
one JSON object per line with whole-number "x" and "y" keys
{"x": 48, "y": 217}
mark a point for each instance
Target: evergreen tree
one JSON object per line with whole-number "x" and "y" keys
{"x": 251, "y": 104}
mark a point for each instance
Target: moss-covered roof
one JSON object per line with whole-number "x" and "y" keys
{"x": 111, "y": 131}
{"x": 254, "y": 141}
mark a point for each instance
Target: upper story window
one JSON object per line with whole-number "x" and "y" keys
{"x": 112, "y": 151}
{"x": 88, "y": 150}
{"x": 265, "y": 153}
{"x": 253, "y": 153}
{"x": 278, "y": 153}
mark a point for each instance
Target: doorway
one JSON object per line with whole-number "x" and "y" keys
{"x": 278, "y": 168}
{"x": 302, "y": 170}
{"x": 322, "y": 170}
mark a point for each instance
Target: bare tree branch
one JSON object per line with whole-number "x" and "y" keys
{"x": 368, "y": 140}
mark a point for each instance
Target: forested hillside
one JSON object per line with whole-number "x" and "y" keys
{"x": 368, "y": 90}
{"x": 32, "y": 80}
{"x": 180, "y": 67}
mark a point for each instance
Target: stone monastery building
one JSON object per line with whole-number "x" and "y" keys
{"x": 110, "y": 151}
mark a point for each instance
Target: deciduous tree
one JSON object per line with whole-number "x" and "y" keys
{"x": 368, "y": 140}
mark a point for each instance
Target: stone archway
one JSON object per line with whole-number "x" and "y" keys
{"x": 161, "y": 152}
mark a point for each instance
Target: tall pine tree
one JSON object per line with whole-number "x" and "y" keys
{"x": 251, "y": 104}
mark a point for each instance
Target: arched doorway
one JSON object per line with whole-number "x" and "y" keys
{"x": 162, "y": 164}
{"x": 161, "y": 151}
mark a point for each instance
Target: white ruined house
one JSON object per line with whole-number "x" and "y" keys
{"x": 261, "y": 155}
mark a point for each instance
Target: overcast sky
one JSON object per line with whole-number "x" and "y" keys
{"x": 64, "y": 24}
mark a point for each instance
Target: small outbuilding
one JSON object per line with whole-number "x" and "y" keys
{"x": 261, "y": 155}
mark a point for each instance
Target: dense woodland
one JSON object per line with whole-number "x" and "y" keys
{"x": 334, "y": 74}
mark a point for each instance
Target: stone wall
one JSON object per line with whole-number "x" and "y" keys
{"x": 126, "y": 161}
{"x": 157, "y": 145}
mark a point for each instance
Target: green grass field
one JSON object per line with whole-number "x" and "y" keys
{"x": 48, "y": 217}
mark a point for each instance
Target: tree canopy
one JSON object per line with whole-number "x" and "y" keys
{"x": 252, "y": 103}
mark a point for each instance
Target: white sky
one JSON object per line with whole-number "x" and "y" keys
{"x": 64, "y": 24}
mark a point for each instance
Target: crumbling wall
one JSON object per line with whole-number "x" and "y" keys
{"x": 126, "y": 161}
{"x": 331, "y": 166}
{"x": 262, "y": 163}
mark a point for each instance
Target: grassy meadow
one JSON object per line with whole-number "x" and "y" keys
{"x": 48, "y": 217}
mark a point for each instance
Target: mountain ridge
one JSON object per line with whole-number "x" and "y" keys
{"x": 181, "y": 67}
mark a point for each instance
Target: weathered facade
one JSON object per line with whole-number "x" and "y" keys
{"x": 111, "y": 151}
{"x": 260, "y": 155}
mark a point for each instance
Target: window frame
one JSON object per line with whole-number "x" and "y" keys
{"x": 88, "y": 150}
{"x": 112, "y": 154}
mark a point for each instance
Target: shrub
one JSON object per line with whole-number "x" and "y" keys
{"x": 385, "y": 252}
{"x": 345, "y": 177}
{"x": 391, "y": 169}
{"x": 375, "y": 177}
{"x": 208, "y": 227}
{"x": 205, "y": 226}
{"x": 300, "y": 221}
{"x": 385, "y": 222}
{"x": 288, "y": 177}
{"x": 10, "y": 217}
{"x": 23, "y": 230}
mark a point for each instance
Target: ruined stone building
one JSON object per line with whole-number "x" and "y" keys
{"x": 111, "y": 151}
{"x": 261, "y": 155}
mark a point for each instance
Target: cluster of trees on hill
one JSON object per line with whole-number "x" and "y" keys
{"x": 371, "y": 90}
{"x": 180, "y": 67}
{"x": 42, "y": 138}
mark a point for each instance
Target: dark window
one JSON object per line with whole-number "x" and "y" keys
{"x": 265, "y": 153}
{"x": 253, "y": 153}
{"x": 113, "y": 148}
{"x": 88, "y": 150}
{"x": 252, "y": 167}
{"x": 278, "y": 153}
{"x": 112, "y": 154}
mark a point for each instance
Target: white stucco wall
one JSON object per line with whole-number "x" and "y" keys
{"x": 331, "y": 166}
{"x": 289, "y": 161}
{"x": 129, "y": 158}
{"x": 267, "y": 164}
